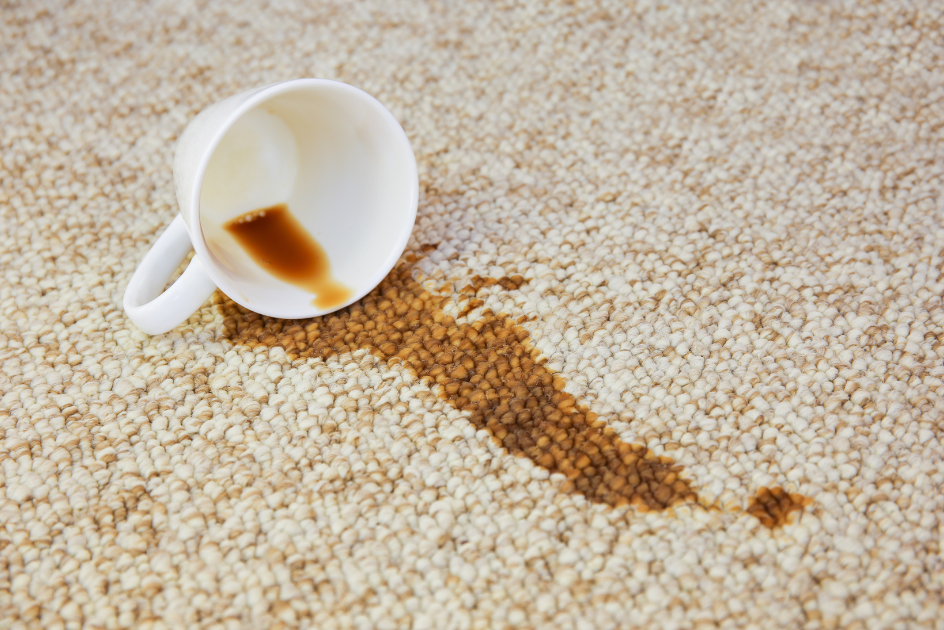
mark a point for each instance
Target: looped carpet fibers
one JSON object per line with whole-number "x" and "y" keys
{"x": 665, "y": 348}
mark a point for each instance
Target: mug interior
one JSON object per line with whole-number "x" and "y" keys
{"x": 344, "y": 168}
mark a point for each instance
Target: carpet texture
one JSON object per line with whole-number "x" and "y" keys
{"x": 666, "y": 347}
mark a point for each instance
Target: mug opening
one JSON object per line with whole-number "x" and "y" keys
{"x": 343, "y": 167}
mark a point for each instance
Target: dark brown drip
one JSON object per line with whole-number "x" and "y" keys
{"x": 773, "y": 507}
{"x": 281, "y": 245}
{"x": 487, "y": 368}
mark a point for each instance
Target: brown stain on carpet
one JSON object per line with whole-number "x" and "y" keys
{"x": 773, "y": 507}
{"x": 486, "y": 368}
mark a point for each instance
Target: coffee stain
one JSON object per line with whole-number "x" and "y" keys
{"x": 486, "y": 368}
{"x": 773, "y": 507}
{"x": 281, "y": 245}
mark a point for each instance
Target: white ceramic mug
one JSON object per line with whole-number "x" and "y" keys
{"x": 332, "y": 153}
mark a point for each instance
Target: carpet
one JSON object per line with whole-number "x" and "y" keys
{"x": 665, "y": 348}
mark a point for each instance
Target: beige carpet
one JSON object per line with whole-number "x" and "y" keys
{"x": 666, "y": 348}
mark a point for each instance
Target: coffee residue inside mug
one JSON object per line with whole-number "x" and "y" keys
{"x": 281, "y": 245}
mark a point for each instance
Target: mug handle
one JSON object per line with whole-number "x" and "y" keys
{"x": 151, "y": 310}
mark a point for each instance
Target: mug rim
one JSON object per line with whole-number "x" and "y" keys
{"x": 261, "y": 95}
